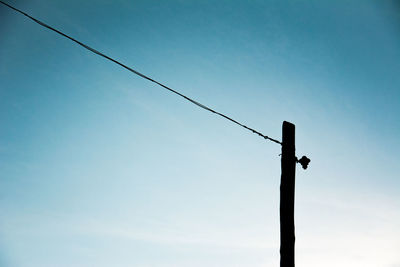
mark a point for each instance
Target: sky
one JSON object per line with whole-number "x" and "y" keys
{"x": 99, "y": 167}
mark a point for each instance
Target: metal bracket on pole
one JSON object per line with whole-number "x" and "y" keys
{"x": 304, "y": 161}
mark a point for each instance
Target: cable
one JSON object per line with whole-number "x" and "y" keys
{"x": 140, "y": 74}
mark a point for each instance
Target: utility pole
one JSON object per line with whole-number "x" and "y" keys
{"x": 288, "y": 166}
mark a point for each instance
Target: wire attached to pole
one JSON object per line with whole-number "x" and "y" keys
{"x": 141, "y": 74}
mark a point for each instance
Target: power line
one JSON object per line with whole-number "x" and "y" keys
{"x": 140, "y": 74}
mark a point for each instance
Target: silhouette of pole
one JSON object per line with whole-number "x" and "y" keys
{"x": 288, "y": 167}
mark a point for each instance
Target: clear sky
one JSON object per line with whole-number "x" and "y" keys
{"x": 99, "y": 167}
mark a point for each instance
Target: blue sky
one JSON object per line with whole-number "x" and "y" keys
{"x": 99, "y": 167}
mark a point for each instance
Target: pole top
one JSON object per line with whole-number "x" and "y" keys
{"x": 288, "y": 137}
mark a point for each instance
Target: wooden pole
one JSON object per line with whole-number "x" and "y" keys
{"x": 288, "y": 167}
